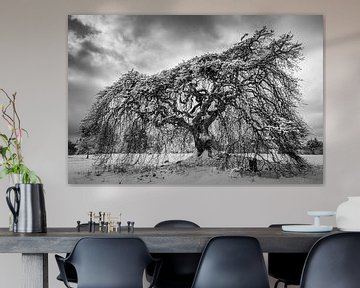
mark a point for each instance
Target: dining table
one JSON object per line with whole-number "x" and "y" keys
{"x": 35, "y": 247}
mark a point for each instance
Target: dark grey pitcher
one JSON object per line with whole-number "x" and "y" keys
{"x": 27, "y": 207}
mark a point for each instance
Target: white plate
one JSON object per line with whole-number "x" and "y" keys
{"x": 350, "y": 229}
{"x": 321, "y": 213}
{"x": 306, "y": 228}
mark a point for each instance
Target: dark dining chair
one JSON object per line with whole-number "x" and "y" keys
{"x": 232, "y": 262}
{"x": 70, "y": 271}
{"x": 333, "y": 262}
{"x": 286, "y": 267}
{"x": 108, "y": 263}
{"x": 178, "y": 269}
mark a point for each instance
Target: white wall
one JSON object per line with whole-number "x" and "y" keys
{"x": 33, "y": 62}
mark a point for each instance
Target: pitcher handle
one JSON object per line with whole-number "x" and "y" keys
{"x": 13, "y": 208}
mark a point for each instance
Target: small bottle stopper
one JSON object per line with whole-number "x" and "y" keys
{"x": 102, "y": 223}
{"x": 130, "y": 226}
{"x": 78, "y": 226}
{"x": 108, "y": 227}
{"x": 90, "y": 221}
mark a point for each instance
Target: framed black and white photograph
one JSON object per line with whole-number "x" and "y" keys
{"x": 195, "y": 99}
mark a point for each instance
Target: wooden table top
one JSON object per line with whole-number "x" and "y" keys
{"x": 158, "y": 240}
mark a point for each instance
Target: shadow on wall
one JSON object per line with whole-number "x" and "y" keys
{"x": 343, "y": 39}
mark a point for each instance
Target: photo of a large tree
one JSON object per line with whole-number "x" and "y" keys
{"x": 234, "y": 113}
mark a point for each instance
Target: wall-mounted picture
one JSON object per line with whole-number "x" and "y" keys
{"x": 195, "y": 99}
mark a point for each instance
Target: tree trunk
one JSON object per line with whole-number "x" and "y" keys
{"x": 200, "y": 128}
{"x": 202, "y": 142}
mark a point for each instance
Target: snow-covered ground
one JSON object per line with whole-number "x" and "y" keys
{"x": 82, "y": 171}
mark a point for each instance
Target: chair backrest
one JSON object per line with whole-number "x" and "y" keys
{"x": 232, "y": 262}
{"x": 178, "y": 269}
{"x": 286, "y": 267}
{"x": 333, "y": 262}
{"x": 176, "y": 224}
{"x": 110, "y": 262}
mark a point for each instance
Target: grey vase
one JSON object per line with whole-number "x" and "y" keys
{"x": 27, "y": 204}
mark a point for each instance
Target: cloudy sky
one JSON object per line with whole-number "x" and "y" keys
{"x": 102, "y": 47}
